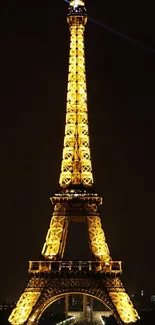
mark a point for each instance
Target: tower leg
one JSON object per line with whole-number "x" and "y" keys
{"x": 97, "y": 239}
{"x": 66, "y": 305}
{"x": 121, "y": 300}
{"x": 28, "y": 300}
{"x": 56, "y": 235}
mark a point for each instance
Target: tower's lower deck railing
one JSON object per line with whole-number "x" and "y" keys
{"x": 92, "y": 266}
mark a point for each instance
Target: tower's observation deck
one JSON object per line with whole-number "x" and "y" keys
{"x": 77, "y": 12}
{"x": 76, "y": 168}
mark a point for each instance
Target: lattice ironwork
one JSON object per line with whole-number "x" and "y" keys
{"x": 76, "y": 165}
{"x": 47, "y": 291}
{"x": 121, "y": 300}
{"x": 57, "y": 232}
{"x": 27, "y": 301}
{"x": 97, "y": 239}
{"x": 63, "y": 213}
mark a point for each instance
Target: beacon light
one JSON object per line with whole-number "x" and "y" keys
{"x": 76, "y": 3}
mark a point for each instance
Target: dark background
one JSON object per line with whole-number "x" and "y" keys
{"x": 120, "y": 75}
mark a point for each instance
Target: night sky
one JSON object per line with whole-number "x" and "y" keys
{"x": 120, "y": 78}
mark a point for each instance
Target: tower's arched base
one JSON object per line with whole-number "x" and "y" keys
{"x": 44, "y": 289}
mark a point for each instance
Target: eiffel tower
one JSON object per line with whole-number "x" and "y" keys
{"x": 53, "y": 278}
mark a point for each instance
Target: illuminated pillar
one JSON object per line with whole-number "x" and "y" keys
{"x": 66, "y": 305}
{"x": 85, "y": 307}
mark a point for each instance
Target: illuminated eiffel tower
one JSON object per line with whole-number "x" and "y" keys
{"x": 53, "y": 278}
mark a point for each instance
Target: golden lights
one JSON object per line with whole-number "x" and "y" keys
{"x": 76, "y": 168}
{"x": 124, "y": 307}
{"x": 24, "y": 307}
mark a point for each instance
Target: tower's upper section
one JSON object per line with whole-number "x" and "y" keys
{"x": 76, "y": 168}
{"x": 77, "y": 10}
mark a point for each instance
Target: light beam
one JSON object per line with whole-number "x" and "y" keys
{"x": 129, "y": 39}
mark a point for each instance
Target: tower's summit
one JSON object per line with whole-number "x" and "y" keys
{"x": 77, "y": 10}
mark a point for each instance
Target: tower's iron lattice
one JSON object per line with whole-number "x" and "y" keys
{"x": 53, "y": 278}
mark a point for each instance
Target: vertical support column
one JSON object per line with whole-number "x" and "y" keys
{"x": 91, "y": 307}
{"x": 85, "y": 307}
{"x": 66, "y": 305}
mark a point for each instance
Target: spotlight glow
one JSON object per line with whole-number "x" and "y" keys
{"x": 76, "y": 3}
